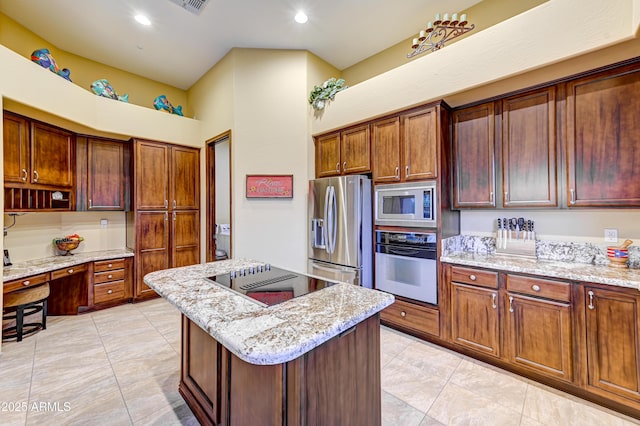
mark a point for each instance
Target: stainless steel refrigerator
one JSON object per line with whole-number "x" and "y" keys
{"x": 340, "y": 234}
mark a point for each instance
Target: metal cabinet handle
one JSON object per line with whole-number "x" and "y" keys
{"x": 36, "y": 176}
{"x": 510, "y": 304}
{"x": 166, "y": 216}
{"x": 110, "y": 265}
{"x": 24, "y": 175}
{"x": 591, "y": 305}
{"x": 27, "y": 282}
{"x": 572, "y": 192}
{"x": 493, "y": 301}
{"x": 109, "y": 276}
{"x": 406, "y": 171}
{"x": 491, "y": 197}
{"x": 344, "y": 166}
{"x": 472, "y": 277}
{"x": 535, "y": 287}
{"x": 166, "y": 203}
{"x": 506, "y": 195}
{"x": 109, "y": 291}
{"x": 338, "y": 167}
{"x": 403, "y": 314}
{"x": 70, "y": 271}
{"x": 174, "y": 216}
{"x": 175, "y": 204}
{"x": 90, "y": 203}
{"x": 397, "y": 172}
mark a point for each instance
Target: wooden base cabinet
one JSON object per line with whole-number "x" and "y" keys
{"x": 613, "y": 338}
{"x": 336, "y": 383}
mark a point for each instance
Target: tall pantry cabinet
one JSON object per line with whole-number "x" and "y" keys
{"x": 163, "y": 227}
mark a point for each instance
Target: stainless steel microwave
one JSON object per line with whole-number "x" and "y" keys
{"x": 410, "y": 204}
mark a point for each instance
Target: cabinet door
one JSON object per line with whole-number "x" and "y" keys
{"x": 355, "y": 150}
{"x": 539, "y": 335}
{"x": 386, "y": 150}
{"x": 474, "y": 318}
{"x": 473, "y": 156}
{"x": 15, "y": 132}
{"x": 105, "y": 175}
{"x": 328, "y": 155}
{"x": 185, "y": 178}
{"x": 185, "y": 238}
{"x": 152, "y": 249}
{"x": 603, "y": 154}
{"x": 612, "y": 343}
{"x": 420, "y": 144}
{"x": 151, "y": 175}
{"x": 52, "y": 156}
{"x": 529, "y": 150}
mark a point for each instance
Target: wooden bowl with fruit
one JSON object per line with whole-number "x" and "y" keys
{"x": 68, "y": 243}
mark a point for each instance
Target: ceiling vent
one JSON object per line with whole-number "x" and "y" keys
{"x": 193, "y": 6}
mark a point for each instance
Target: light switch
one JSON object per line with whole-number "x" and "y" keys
{"x": 103, "y": 223}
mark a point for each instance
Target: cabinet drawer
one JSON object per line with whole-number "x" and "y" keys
{"x": 72, "y": 270}
{"x": 474, "y": 276}
{"x": 103, "y": 277}
{"x": 25, "y": 282}
{"x": 414, "y": 317}
{"x": 108, "y": 292}
{"x": 108, "y": 265}
{"x": 557, "y": 290}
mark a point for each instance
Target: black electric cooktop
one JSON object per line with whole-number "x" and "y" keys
{"x": 268, "y": 284}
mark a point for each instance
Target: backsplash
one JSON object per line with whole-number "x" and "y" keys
{"x": 560, "y": 251}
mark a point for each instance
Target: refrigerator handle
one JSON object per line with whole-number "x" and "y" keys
{"x": 327, "y": 223}
{"x": 334, "y": 225}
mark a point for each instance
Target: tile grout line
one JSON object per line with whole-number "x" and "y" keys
{"x": 33, "y": 367}
{"x": 112, "y": 370}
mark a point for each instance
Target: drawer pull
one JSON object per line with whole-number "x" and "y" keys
{"x": 472, "y": 277}
{"x": 109, "y": 276}
{"x": 110, "y": 265}
{"x": 493, "y": 301}
{"x": 109, "y": 291}
{"x": 535, "y": 287}
{"x": 70, "y": 271}
{"x": 27, "y": 282}
{"x": 591, "y": 305}
{"x": 510, "y": 304}
{"x": 403, "y": 314}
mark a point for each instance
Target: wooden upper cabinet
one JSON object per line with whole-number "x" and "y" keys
{"x": 603, "y": 153}
{"x": 16, "y": 149}
{"x": 613, "y": 355}
{"x": 473, "y": 156}
{"x": 345, "y": 152}
{"x": 185, "y": 178}
{"x": 529, "y": 150}
{"x": 105, "y": 175}
{"x": 52, "y": 156}
{"x": 328, "y": 155}
{"x": 151, "y": 175}
{"x": 420, "y": 144}
{"x": 355, "y": 150}
{"x": 405, "y": 148}
{"x": 385, "y": 143}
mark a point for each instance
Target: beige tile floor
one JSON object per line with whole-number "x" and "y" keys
{"x": 121, "y": 367}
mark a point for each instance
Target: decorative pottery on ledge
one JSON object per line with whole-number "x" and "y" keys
{"x": 161, "y": 102}
{"x": 43, "y": 58}
{"x": 103, "y": 88}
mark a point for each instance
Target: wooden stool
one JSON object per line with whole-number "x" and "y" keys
{"x": 22, "y": 303}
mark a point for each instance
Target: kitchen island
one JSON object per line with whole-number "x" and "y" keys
{"x": 313, "y": 359}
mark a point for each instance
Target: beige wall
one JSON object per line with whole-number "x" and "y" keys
{"x": 483, "y": 15}
{"x": 141, "y": 90}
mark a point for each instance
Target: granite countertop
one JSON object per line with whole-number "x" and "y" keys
{"x": 601, "y": 274}
{"x": 264, "y": 335}
{"x": 52, "y": 263}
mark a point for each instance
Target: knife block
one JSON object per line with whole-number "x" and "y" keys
{"x": 518, "y": 248}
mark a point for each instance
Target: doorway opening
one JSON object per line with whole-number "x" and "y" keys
{"x": 219, "y": 198}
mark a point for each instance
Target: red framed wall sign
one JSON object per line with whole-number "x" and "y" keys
{"x": 269, "y": 186}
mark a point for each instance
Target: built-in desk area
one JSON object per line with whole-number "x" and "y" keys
{"x": 79, "y": 282}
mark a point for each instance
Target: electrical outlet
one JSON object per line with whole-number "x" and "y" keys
{"x": 103, "y": 223}
{"x": 610, "y": 235}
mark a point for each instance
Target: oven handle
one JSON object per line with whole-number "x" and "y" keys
{"x": 408, "y": 252}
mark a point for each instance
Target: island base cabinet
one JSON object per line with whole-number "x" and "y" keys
{"x": 336, "y": 383}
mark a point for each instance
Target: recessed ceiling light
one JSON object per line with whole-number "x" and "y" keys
{"x": 301, "y": 17}
{"x": 142, "y": 19}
